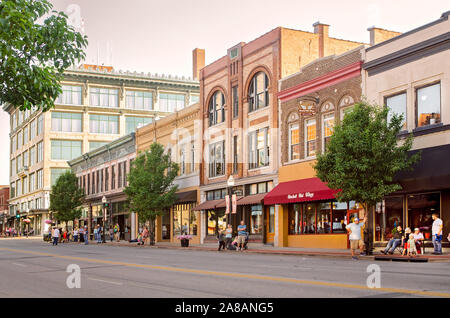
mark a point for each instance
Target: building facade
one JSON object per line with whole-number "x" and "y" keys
{"x": 102, "y": 174}
{"x": 179, "y": 135}
{"x": 240, "y": 124}
{"x": 97, "y": 106}
{"x": 312, "y": 101}
{"x": 410, "y": 74}
{"x": 4, "y": 208}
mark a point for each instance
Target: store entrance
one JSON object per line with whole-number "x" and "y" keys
{"x": 269, "y": 225}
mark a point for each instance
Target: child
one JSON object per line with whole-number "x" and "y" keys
{"x": 412, "y": 246}
{"x": 221, "y": 238}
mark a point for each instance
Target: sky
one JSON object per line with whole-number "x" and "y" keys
{"x": 159, "y": 36}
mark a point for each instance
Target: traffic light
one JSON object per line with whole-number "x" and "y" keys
{"x": 18, "y": 216}
{"x": 105, "y": 205}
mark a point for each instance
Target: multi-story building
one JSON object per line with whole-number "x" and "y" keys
{"x": 312, "y": 101}
{"x": 179, "y": 134}
{"x": 4, "y": 207}
{"x": 102, "y": 173}
{"x": 97, "y": 105}
{"x": 410, "y": 74}
{"x": 240, "y": 122}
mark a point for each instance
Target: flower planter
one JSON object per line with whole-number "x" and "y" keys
{"x": 184, "y": 242}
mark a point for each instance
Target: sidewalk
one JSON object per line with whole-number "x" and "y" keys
{"x": 258, "y": 248}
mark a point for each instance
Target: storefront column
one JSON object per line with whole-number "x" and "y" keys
{"x": 281, "y": 226}
{"x": 133, "y": 226}
{"x": 203, "y": 226}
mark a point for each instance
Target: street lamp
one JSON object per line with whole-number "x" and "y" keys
{"x": 230, "y": 184}
{"x": 105, "y": 205}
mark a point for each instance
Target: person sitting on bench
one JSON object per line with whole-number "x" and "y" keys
{"x": 394, "y": 242}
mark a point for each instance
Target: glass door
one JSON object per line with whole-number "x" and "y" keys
{"x": 270, "y": 224}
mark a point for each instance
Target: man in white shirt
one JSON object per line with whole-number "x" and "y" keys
{"x": 55, "y": 236}
{"x": 354, "y": 231}
{"x": 436, "y": 231}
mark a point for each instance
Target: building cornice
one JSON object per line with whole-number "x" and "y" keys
{"x": 332, "y": 78}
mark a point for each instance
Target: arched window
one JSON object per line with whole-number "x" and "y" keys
{"x": 216, "y": 108}
{"x": 258, "y": 92}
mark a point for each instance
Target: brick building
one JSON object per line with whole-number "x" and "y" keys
{"x": 311, "y": 102}
{"x": 240, "y": 121}
{"x": 4, "y": 208}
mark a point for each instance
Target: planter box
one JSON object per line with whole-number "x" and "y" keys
{"x": 184, "y": 243}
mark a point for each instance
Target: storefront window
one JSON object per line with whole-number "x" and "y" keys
{"x": 393, "y": 215}
{"x": 309, "y": 219}
{"x": 420, "y": 209}
{"x": 323, "y": 218}
{"x": 256, "y": 219}
{"x": 217, "y": 221}
{"x": 165, "y": 226}
{"x": 184, "y": 220}
{"x": 295, "y": 219}
{"x": 339, "y": 217}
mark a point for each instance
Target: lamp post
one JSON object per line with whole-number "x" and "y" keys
{"x": 105, "y": 205}
{"x": 230, "y": 184}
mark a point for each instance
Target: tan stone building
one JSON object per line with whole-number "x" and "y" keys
{"x": 179, "y": 134}
{"x": 410, "y": 74}
{"x": 97, "y": 106}
{"x": 240, "y": 123}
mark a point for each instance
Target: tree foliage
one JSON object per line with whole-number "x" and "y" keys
{"x": 36, "y": 46}
{"x": 364, "y": 154}
{"x": 66, "y": 198}
{"x": 150, "y": 189}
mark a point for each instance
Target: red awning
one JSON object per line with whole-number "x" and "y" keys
{"x": 252, "y": 199}
{"x": 300, "y": 191}
{"x": 208, "y": 205}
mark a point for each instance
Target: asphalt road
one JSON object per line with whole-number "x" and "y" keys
{"x": 32, "y": 268}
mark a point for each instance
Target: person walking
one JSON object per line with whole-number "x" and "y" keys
{"x": 75, "y": 235}
{"x": 145, "y": 235}
{"x": 242, "y": 234}
{"x": 354, "y": 231}
{"x": 436, "y": 232}
{"x": 99, "y": 234}
{"x": 55, "y": 236}
{"x": 111, "y": 233}
{"x": 228, "y": 235}
{"x": 221, "y": 239}
{"x": 117, "y": 232}
{"x": 86, "y": 235}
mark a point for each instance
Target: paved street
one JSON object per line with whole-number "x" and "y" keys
{"x": 33, "y": 268}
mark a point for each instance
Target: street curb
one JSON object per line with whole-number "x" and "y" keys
{"x": 288, "y": 253}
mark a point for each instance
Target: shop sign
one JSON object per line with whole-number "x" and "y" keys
{"x": 234, "y": 203}
{"x": 301, "y": 195}
{"x": 306, "y": 108}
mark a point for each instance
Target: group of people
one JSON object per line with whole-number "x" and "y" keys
{"x": 10, "y": 232}
{"x": 225, "y": 238}
{"x": 411, "y": 242}
{"x": 63, "y": 235}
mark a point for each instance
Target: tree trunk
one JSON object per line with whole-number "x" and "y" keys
{"x": 368, "y": 229}
{"x": 152, "y": 232}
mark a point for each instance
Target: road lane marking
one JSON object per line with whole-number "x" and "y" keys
{"x": 105, "y": 281}
{"x": 238, "y": 275}
{"x": 18, "y": 264}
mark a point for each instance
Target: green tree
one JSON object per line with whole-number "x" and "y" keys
{"x": 36, "y": 46}
{"x": 66, "y": 198}
{"x": 364, "y": 155}
{"x": 150, "y": 189}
